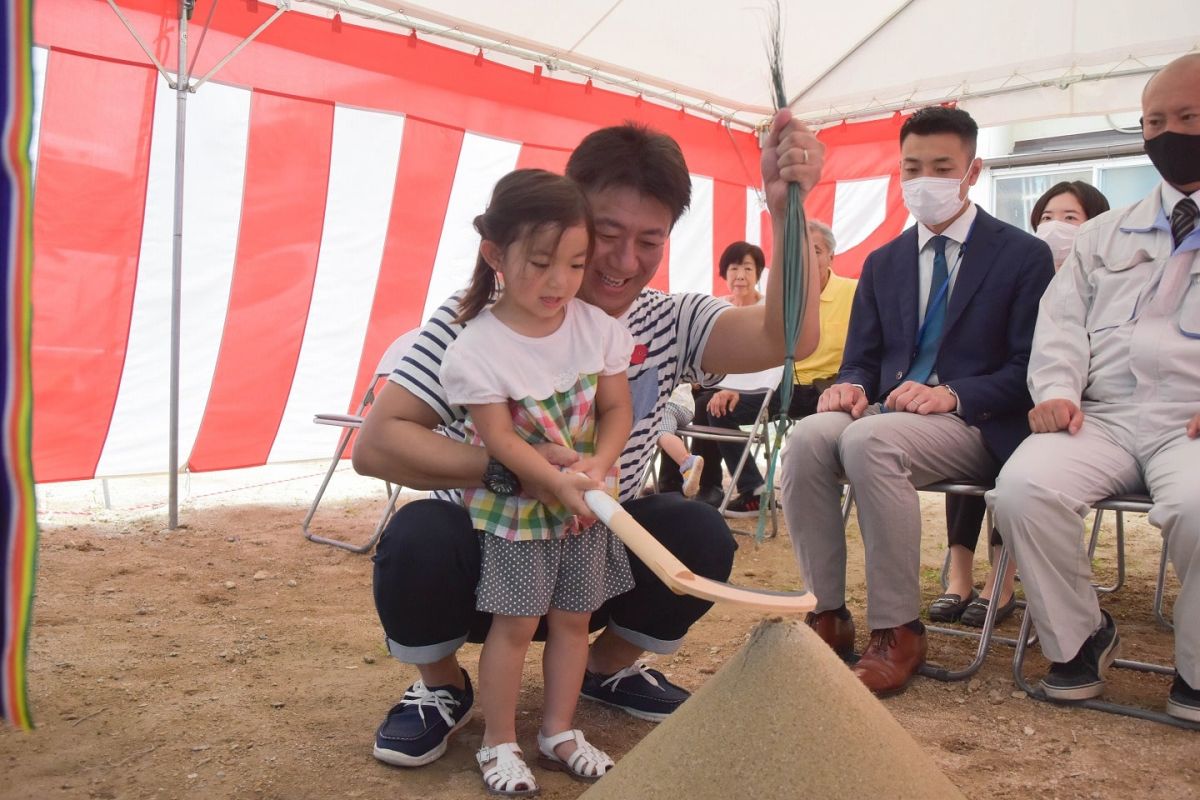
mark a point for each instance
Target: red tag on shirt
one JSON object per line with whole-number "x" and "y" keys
{"x": 640, "y": 351}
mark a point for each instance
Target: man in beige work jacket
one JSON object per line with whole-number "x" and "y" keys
{"x": 1115, "y": 376}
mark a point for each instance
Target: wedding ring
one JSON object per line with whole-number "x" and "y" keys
{"x": 805, "y": 160}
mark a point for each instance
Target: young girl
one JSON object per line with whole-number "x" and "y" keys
{"x": 539, "y": 366}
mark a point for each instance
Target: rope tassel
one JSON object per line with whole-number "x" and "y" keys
{"x": 795, "y": 279}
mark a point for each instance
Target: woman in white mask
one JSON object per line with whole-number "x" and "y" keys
{"x": 1059, "y": 212}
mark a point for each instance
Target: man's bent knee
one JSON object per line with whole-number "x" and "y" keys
{"x": 811, "y": 444}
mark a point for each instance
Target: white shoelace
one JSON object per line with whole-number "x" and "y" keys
{"x": 636, "y": 668}
{"x": 420, "y": 696}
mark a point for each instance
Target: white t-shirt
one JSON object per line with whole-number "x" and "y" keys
{"x": 491, "y": 363}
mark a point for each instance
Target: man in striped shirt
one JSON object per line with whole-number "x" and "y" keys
{"x": 427, "y": 562}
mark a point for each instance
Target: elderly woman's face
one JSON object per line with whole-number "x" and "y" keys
{"x": 742, "y": 276}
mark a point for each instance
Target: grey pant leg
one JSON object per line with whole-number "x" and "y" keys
{"x": 1174, "y": 484}
{"x": 810, "y": 490}
{"x": 885, "y": 456}
{"x": 1042, "y": 495}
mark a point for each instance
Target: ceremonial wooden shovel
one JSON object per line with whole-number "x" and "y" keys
{"x": 678, "y": 578}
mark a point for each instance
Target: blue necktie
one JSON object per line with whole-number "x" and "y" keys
{"x": 935, "y": 316}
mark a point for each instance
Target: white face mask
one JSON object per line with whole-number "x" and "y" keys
{"x": 1060, "y": 236}
{"x": 932, "y": 201}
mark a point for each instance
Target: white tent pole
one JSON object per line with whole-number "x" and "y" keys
{"x": 182, "y": 86}
{"x": 181, "y": 93}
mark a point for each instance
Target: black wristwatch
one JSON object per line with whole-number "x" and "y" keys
{"x": 500, "y": 479}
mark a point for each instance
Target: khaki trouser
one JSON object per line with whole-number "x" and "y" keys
{"x": 883, "y": 456}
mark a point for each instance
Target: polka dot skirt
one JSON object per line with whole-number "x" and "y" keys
{"x": 527, "y": 578}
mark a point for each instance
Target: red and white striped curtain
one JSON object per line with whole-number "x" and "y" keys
{"x": 331, "y": 176}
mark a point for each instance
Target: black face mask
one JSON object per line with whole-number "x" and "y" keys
{"x": 1176, "y": 156}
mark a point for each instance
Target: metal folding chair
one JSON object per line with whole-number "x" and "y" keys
{"x": 985, "y": 635}
{"x": 1120, "y": 504}
{"x": 752, "y": 438}
{"x": 350, "y": 423}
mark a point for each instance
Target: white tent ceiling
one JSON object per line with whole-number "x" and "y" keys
{"x": 1006, "y": 61}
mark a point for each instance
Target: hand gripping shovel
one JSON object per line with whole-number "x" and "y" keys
{"x": 678, "y": 578}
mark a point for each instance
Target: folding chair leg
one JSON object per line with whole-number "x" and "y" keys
{"x": 1160, "y": 589}
{"x": 1120, "y": 550}
{"x": 847, "y": 504}
{"x": 333, "y": 465}
{"x": 1095, "y": 533}
{"x": 393, "y": 496}
{"x": 733, "y": 479}
{"x": 986, "y": 635}
{"x": 370, "y": 543}
{"x": 1120, "y": 581}
{"x": 650, "y": 472}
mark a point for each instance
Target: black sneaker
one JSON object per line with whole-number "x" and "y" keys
{"x": 636, "y": 690}
{"x": 1184, "y": 701}
{"x": 744, "y": 505}
{"x": 417, "y": 728}
{"x": 1082, "y": 677}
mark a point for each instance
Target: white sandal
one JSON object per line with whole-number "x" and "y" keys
{"x": 509, "y": 776}
{"x": 587, "y": 763}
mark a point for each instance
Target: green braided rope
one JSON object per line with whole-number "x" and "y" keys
{"x": 795, "y": 284}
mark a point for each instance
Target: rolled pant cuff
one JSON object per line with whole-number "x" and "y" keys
{"x": 662, "y": 647}
{"x": 425, "y": 654}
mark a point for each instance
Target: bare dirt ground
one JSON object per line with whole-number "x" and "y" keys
{"x": 232, "y": 659}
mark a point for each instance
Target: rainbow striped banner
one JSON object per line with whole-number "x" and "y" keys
{"x": 18, "y": 525}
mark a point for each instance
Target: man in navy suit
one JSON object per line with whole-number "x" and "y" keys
{"x": 932, "y": 388}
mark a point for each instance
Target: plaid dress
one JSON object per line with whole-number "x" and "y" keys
{"x": 564, "y": 418}
{"x": 549, "y": 384}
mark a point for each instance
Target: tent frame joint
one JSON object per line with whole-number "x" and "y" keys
{"x": 283, "y": 6}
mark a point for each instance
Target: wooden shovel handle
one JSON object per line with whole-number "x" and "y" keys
{"x": 675, "y": 574}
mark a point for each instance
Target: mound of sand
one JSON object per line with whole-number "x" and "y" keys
{"x": 784, "y": 718}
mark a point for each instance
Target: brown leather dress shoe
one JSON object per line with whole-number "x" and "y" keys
{"x": 892, "y": 658}
{"x": 835, "y": 631}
